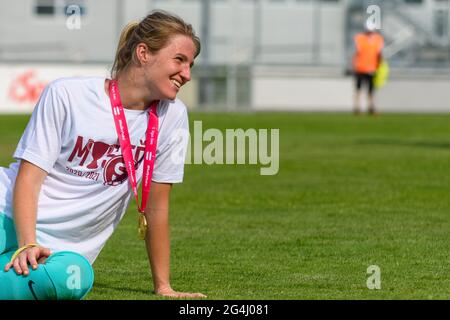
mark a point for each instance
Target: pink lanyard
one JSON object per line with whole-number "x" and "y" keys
{"x": 125, "y": 144}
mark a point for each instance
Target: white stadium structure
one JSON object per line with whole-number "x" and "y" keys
{"x": 256, "y": 54}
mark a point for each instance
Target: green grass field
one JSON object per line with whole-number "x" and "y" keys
{"x": 351, "y": 192}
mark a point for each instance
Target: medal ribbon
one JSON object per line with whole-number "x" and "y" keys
{"x": 125, "y": 144}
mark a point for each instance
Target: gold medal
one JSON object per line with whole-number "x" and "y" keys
{"x": 142, "y": 227}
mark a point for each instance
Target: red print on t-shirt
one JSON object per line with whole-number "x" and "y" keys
{"x": 105, "y": 157}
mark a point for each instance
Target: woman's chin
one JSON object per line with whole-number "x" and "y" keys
{"x": 167, "y": 95}
{"x": 172, "y": 96}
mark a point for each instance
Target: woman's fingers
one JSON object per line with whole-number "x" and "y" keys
{"x": 8, "y": 266}
{"x": 181, "y": 295}
{"x": 23, "y": 263}
{"x": 192, "y": 295}
{"x": 45, "y": 252}
{"x": 32, "y": 259}
{"x": 32, "y": 256}
{"x": 16, "y": 265}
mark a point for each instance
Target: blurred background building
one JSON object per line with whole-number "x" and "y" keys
{"x": 256, "y": 54}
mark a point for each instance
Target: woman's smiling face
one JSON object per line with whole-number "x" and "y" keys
{"x": 170, "y": 68}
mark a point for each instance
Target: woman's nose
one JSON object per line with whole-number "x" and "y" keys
{"x": 186, "y": 73}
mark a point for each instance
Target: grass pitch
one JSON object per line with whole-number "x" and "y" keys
{"x": 351, "y": 192}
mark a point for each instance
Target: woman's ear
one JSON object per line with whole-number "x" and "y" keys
{"x": 143, "y": 54}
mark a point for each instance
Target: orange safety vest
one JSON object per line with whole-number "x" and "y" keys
{"x": 368, "y": 48}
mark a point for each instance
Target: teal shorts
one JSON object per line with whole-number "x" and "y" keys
{"x": 8, "y": 240}
{"x": 65, "y": 275}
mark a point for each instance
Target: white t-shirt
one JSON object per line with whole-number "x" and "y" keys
{"x": 71, "y": 135}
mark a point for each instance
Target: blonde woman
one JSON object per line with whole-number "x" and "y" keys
{"x": 88, "y": 144}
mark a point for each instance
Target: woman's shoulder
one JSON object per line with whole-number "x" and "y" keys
{"x": 77, "y": 88}
{"x": 84, "y": 81}
{"x": 76, "y": 83}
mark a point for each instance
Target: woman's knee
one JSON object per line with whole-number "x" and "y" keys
{"x": 71, "y": 274}
{"x": 65, "y": 275}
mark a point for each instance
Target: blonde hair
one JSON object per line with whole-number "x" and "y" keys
{"x": 155, "y": 30}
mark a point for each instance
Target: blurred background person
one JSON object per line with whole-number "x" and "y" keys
{"x": 366, "y": 60}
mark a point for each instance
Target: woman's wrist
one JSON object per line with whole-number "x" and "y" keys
{"x": 160, "y": 289}
{"x": 26, "y": 242}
